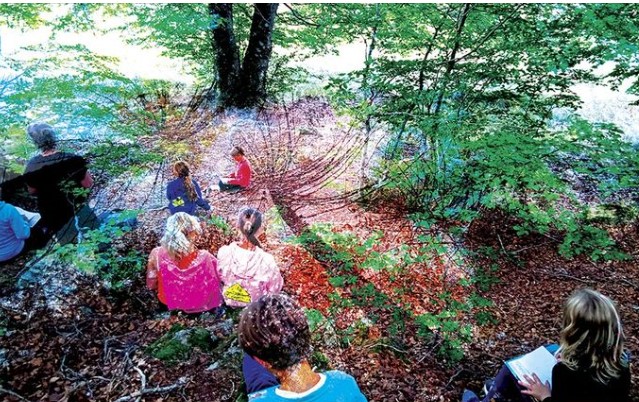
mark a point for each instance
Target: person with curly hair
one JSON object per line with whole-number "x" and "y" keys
{"x": 275, "y": 336}
{"x": 592, "y": 365}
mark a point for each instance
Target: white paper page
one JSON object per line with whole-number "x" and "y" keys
{"x": 540, "y": 361}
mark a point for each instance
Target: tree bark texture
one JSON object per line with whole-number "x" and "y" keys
{"x": 227, "y": 55}
{"x": 242, "y": 84}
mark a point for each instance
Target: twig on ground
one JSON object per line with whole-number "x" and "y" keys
{"x": 529, "y": 247}
{"x": 230, "y": 395}
{"x": 501, "y": 244}
{"x": 386, "y": 346}
{"x": 158, "y": 390}
{"x": 450, "y": 381}
{"x": 6, "y": 391}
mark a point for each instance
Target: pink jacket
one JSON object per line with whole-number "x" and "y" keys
{"x": 247, "y": 274}
{"x": 194, "y": 289}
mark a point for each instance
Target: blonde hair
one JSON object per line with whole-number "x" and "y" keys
{"x": 592, "y": 337}
{"x": 182, "y": 170}
{"x": 176, "y": 237}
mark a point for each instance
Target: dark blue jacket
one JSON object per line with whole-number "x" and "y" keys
{"x": 179, "y": 201}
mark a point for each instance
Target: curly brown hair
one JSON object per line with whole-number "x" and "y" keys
{"x": 274, "y": 329}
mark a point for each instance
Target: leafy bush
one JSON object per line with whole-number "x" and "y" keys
{"x": 346, "y": 254}
{"x": 99, "y": 253}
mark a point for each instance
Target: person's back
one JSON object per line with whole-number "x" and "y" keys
{"x": 581, "y": 386}
{"x": 183, "y": 192}
{"x": 275, "y": 336}
{"x": 14, "y": 230}
{"x": 333, "y": 386}
{"x": 247, "y": 274}
{"x": 57, "y": 179}
{"x": 184, "y": 277}
{"x": 191, "y": 288}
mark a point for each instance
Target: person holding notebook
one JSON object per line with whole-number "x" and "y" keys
{"x": 591, "y": 364}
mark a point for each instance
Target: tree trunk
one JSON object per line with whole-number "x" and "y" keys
{"x": 242, "y": 85}
{"x": 227, "y": 55}
{"x": 258, "y": 54}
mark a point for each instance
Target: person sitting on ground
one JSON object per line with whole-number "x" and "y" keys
{"x": 14, "y": 232}
{"x": 241, "y": 178}
{"x": 56, "y": 178}
{"x": 185, "y": 278}
{"x": 591, "y": 363}
{"x": 246, "y": 270}
{"x": 184, "y": 193}
{"x": 275, "y": 336}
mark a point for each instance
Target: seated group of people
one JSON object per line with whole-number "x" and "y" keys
{"x": 185, "y": 195}
{"x": 592, "y": 363}
{"x": 60, "y": 182}
{"x": 273, "y": 330}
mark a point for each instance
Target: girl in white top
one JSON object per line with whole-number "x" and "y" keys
{"x": 246, "y": 270}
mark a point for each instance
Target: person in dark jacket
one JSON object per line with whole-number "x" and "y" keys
{"x": 60, "y": 182}
{"x": 184, "y": 193}
{"x": 592, "y": 365}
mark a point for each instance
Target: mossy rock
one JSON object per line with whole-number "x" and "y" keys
{"x": 179, "y": 342}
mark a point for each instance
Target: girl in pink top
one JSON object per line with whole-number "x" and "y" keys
{"x": 246, "y": 270}
{"x": 241, "y": 178}
{"x": 185, "y": 278}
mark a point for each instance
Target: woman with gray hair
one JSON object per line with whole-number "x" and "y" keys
{"x": 246, "y": 270}
{"x": 185, "y": 277}
{"x": 55, "y": 177}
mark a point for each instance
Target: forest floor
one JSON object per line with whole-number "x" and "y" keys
{"x": 98, "y": 347}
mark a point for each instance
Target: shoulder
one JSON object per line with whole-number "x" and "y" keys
{"x": 267, "y": 394}
{"x": 344, "y": 383}
{"x": 174, "y": 183}
{"x": 8, "y": 209}
{"x": 227, "y": 249}
{"x": 336, "y": 376}
{"x": 207, "y": 254}
{"x": 265, "y": 256}
{"x": 154, "y": 253}
{"x": 68, "y": 158}
{"x": 33, "y": 164}
{"x": 561, "y": 370}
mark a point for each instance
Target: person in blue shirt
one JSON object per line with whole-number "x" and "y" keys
{"x": 184, "y": 193}
{"x": 14, "y": 231}
{"x": 275, "y": 336}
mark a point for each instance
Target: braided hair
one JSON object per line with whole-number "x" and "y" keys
{"x": 182, "y": 170}
{"x": 274, "y": 329}
{"x": 249, "y": 222}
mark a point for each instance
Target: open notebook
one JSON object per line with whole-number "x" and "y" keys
{"x": 540, "y": 361}
{"x": 31, "y": 217}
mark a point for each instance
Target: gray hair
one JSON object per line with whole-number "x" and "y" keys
{"x": 43, "y": 136}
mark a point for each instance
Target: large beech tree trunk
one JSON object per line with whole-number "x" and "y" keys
{"x": 242, "y": 84}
